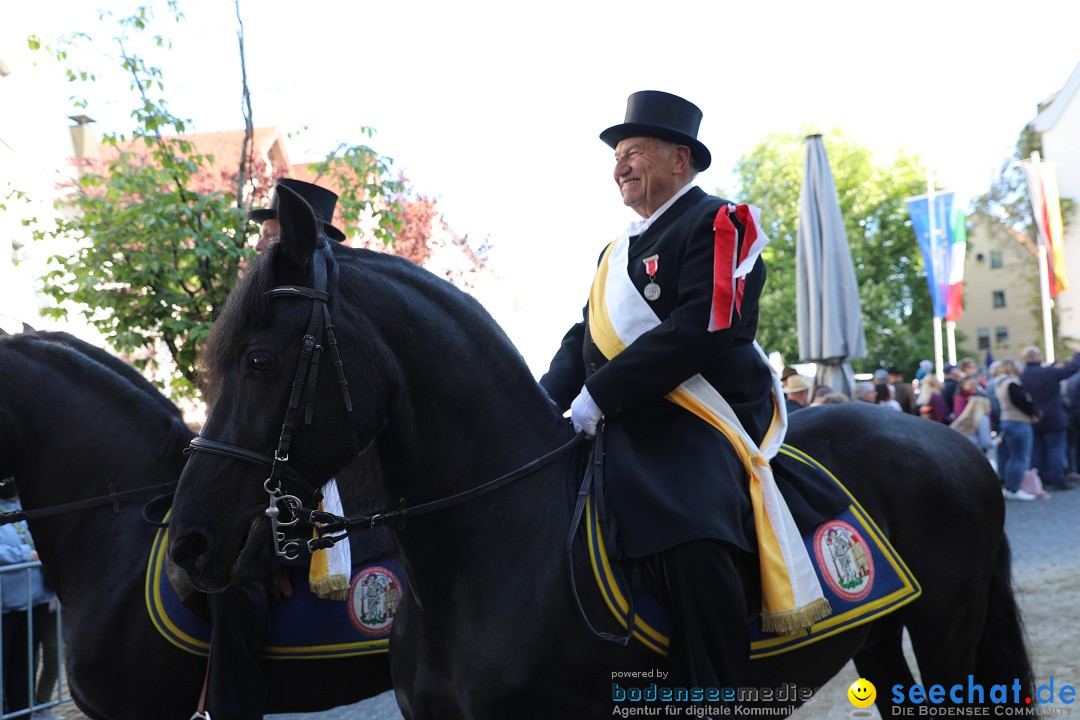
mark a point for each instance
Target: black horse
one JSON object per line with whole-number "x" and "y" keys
{"x": 489, "y": 627}
{"x": 76, "y": 424}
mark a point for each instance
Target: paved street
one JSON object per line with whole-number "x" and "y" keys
{"x": 1046, "y": 556}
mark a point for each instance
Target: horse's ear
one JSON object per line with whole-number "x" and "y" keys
{"x": 299, "y": 227}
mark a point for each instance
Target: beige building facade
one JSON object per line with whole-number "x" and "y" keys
{"x": 1001, "y": 294}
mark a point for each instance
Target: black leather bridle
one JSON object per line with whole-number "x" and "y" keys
{"x": 285, "y": 484}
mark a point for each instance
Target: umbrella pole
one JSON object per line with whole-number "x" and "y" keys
{"x": 937, "y": 349}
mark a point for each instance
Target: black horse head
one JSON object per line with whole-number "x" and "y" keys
{"x": 418, "y": 355}
{"x": 249, "y": 369}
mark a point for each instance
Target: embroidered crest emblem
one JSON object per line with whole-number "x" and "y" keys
{"x": 373, "y": 599}
{"x": 844, "y": 560}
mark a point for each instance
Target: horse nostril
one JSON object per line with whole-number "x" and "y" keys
{"x": 186, "y": 550}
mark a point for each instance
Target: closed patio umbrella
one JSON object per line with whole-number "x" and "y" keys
{"x": 828, "y": 312}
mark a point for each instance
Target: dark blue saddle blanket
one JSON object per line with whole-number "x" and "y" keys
{"x": 303, "y": 626}
{"x": 862, "y": 576}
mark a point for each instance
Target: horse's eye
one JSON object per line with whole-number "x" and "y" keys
{"x": 260, "y": 361}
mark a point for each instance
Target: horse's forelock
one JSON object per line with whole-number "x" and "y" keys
{"x": 246, "y": 302}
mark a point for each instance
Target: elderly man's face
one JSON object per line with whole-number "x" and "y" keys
{"x": 269, "y": 234}
{"x": 647, "y": 172}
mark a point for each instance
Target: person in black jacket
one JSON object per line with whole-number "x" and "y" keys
{"x": 675, "y": 304}
{"x": 1043, "y": 383}
{"x": 796, "y": 393}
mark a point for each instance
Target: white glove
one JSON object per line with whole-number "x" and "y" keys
{"x": 585, "y": 413}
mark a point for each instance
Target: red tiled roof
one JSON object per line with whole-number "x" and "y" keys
{"x": 267, "y": 143}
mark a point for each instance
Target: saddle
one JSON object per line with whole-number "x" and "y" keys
{"x": 861, "y": 574}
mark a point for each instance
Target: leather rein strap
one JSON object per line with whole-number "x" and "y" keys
{"x": 113, "y": 498}
{"x": 330, "y": 523}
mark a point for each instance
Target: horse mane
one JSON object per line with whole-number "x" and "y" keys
{"x": 95, "y": 367}
{"x": 247, "y": 300}
{"x": 365, "y": 286}
{"x": 113, "y": 363}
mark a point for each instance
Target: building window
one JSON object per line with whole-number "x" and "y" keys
{"x": 999, "y": 298}
{"x": 1001, "y": 336}
{"x": 984, "y": 338}
{"x": 996, "y": 260}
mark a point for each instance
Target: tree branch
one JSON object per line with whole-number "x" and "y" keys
{"x": 249, "y": 128}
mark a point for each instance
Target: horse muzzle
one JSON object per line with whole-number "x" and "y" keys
{"x": 213, "y": 569}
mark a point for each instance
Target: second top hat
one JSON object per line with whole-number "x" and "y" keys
{"x": 321, "y": 200}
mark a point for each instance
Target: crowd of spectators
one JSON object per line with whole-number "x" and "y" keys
{"x": 1024, "y": 416}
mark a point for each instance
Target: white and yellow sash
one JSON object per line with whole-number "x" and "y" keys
{"x": 330, "y": 572}
{"x": 791, "y": 594}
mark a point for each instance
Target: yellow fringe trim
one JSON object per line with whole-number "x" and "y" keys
{"x": 335, "y": 587}
{"x": 787, "y": 622}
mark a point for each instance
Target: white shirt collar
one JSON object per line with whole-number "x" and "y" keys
{"x": 637, "y": 227}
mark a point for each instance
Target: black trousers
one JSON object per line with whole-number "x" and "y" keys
{"x": 706, "y": 585}
{"x": 18, "y": 667}
{"x": 240, "y": 618}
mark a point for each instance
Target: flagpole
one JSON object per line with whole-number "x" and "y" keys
{"x": 937, "y": 349}
{"x": 1044, "y": 285}
{"x": 938, "y": 355}
{"x": 950, "y": 338}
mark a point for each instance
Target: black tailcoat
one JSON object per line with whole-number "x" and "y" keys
{"x": 671, "y": 476}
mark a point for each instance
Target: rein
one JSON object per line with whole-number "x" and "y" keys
{"x": 113, "y": 498}
{"x": 326, "y": 522}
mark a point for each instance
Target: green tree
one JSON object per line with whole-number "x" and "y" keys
{"x": 896, "y": 305}
{"x": 160, "y": 229}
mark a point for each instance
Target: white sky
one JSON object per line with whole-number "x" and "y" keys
{"x": 494, "y": 108}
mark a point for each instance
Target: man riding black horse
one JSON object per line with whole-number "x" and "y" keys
{"x": 666, "y": 358}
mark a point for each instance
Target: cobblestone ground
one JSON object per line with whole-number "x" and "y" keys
{"x": 1046, "y": 557}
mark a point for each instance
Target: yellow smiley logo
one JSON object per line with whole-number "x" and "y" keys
{"x": 862, "y": 693}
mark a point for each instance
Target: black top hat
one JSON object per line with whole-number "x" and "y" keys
{"x": 651, "y": 113}
{"x": 321, "y": 200}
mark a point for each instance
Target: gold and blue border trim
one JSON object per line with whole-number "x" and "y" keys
{"x": 182, "y": 628}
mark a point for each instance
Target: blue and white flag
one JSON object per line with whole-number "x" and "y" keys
{"x": 937, "y": 250}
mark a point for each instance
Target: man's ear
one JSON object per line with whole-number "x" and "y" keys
{"x": 682, "y": 160}
{"x": 299, "y": 227}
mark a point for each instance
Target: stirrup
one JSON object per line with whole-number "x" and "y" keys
{"x": 205, "y": 715}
